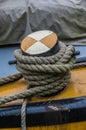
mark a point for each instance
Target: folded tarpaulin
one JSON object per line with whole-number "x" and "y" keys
{"x": 67, "y": 18}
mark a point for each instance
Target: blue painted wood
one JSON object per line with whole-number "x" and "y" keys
{"x": 45, "y": 113}
{"x": 6, "y": 54}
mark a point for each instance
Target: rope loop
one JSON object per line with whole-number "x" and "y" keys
{"x": 45, "y": 75}
{"x": 51, "y": 69}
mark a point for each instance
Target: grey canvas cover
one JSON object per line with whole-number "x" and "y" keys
{"x": 67, "y": 18}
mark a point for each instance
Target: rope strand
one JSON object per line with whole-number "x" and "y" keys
{"x": 45, "y": 75}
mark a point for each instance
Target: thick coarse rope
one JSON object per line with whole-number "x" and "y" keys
{"x": 10, "y": 78}
{"x": 45, "y": 75}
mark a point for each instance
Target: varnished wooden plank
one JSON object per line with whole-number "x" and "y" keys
{"x": 70, "y": 126}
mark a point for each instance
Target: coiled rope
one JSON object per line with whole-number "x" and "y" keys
{"x": 45, "y": 75}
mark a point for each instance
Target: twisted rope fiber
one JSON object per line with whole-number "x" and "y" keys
{"x": 23, "y": 115}
{"x": 45, "y": 75}
{"x": 10, "y": 78}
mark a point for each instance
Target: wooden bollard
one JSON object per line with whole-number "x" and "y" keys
{"x": 40, "y": 43}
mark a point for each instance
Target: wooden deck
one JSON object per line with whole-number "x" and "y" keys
{"x": 76, "y": 88}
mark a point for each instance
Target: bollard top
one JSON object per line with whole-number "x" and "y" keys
{"x": 39, "y": 42}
